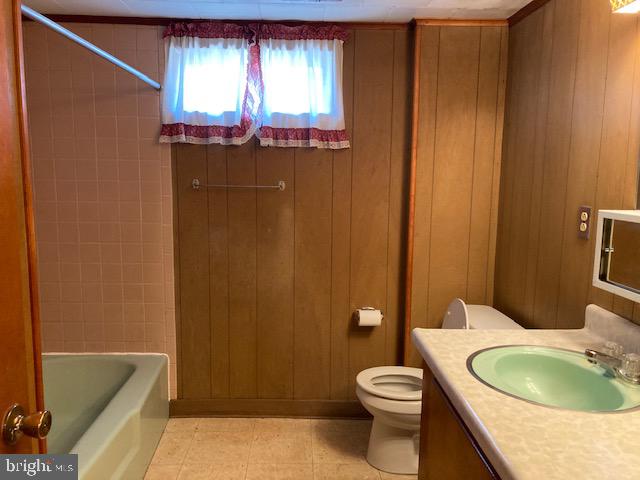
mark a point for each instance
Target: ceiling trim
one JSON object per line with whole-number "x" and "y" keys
{"x": 527, "y": 10}
{"x": 454, "y": 22}
{"x": 161, "y": 21}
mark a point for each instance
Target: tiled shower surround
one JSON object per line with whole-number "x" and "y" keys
{"x": 102, "y": 192}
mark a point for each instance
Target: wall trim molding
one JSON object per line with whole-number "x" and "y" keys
{"x": 162, "y": 21}
{"x": 454, "y": 22}
{"x": 527, "y": 10}
{"x": 268, "y": 407}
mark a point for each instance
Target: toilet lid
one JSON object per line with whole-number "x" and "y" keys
{"x": 394, "y": 383}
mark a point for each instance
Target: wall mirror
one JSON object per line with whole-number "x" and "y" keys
{"x": 617, "y": 261}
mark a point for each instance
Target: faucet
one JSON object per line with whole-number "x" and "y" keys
{"x": 616, "y": 362}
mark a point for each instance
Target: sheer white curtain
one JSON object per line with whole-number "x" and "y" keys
{"x": 302, "y": 95}
{"x": 205, "y": 91}
{"x": 225, "y": 82}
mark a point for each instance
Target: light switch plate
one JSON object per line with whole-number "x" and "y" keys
{"x": 584, "y": 222}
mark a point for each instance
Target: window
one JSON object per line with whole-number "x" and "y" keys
{"x": 220, "y": 87}
{"x": 299, "y": 77}
{"x": 215, "y": 77}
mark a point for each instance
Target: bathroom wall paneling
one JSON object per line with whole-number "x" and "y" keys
{"x": 268, "y": 280}
{"x": 461, "y": 75}
{"x": 572, "y": 137}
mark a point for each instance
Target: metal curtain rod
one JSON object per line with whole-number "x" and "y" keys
{"x": 281, "y": 185}
{"x": 33, "y": 15}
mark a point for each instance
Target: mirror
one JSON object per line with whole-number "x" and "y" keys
{"x": 617, "y": 263}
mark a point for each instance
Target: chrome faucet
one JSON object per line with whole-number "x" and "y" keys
{"x": 608, "y": 362}
{"x": 616, "y": 362}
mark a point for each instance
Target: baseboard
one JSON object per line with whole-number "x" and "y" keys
{"x": 267, "y": 407}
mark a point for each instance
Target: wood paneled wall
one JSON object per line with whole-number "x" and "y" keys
{"x": 268, "y": 280}
{"x": 572, "y": 137}
{"x": 461, "y": 79}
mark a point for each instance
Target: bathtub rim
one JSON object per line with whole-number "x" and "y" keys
{"x": 126, "y": 403}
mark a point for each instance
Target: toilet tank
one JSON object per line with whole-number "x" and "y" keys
{"x": 476, "y": 317}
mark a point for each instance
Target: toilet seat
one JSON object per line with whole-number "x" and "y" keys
{"x": 393, "y": 383}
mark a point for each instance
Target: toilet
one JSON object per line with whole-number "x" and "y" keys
{"x": 393, "y": 395}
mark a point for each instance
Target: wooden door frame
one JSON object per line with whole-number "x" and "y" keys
{"x": 17, "y": 126}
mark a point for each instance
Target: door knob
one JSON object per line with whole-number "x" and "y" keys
{"x": 15, "y": 424}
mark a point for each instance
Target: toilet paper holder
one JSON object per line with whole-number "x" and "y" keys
{"x": 356, "y": 314}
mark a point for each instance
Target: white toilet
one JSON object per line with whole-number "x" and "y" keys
{"x": 393, "y": 395}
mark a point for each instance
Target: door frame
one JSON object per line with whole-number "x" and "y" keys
{"x": 19, "y": 178}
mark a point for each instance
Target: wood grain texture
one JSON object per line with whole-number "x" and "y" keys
{"x": 448, "y": 450}
{"x": 341, "y": 243}
{"x": 461, "y": 73}
{"x": 20, "y": 357}
{"x": 242, "y": 231}
{"x": 312, "y": 254}
{"x": 275, "y": 287}
{"x": 272, "y": 322}
{"x": 370, "y": 192}
{"x": 218, "y": 271}
{"x": 263, "y": 407}
{"x": 578, "y": 64}
{"x": 195, "y": 331}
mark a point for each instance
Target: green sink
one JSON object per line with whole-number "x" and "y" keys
{"x": 552, "y": 377}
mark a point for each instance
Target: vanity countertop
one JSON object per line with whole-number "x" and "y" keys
{"x": 527, "y": 441}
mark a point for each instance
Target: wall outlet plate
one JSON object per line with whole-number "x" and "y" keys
{"x": 584, "y": 222}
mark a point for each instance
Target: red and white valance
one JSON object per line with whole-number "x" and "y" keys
{"x": 227, "y": 82}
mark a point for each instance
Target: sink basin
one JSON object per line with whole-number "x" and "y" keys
{"x": 552, "y": 377}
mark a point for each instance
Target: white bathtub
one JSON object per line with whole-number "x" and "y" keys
{"x": 110, "y": 409}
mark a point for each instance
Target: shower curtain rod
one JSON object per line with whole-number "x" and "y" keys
{"x": 33, "y": 15}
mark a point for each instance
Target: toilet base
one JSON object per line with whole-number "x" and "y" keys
{"x": 393, "y": 450}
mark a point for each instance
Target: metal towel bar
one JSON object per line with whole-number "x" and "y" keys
{"x": 196, "y": 185}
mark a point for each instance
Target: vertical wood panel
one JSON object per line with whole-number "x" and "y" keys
{"x": 370, "y": 191}
{"x": 275, "y": 315}
{"x": 591, "y": 73}
{"x": 428, "y": 78}
{"x": 219, "y": 271}
{"x": 194, "y": 274}
{"x": 241, "y": 169}
{"x": 557, "y": 145}
{"x": 288, "y": 268}
{"x": 398, "y": 171}
{"x": 453, "y": 167}
{"x": 531, "y": 248}
{"x": 462, "y": 80}
{"x": 341, "y": 243}
{"x": 590, "y": 147}
{"x": 517, "y": 177}
{"x": 483, "y": 164}
{"x": 497, "y": 165}
{"x": 312, "y": 339}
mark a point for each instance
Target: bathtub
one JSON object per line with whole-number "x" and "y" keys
{"x": 110, "y": 409}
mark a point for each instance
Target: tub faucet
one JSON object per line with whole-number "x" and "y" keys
{"x": 616, "y": 362}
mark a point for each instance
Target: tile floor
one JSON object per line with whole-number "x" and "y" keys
{"x": 264, "y": 449}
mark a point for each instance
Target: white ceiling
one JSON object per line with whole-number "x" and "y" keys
{"x": 309, "y": 10}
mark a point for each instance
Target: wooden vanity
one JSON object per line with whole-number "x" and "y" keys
{"x": 448, "y": 450}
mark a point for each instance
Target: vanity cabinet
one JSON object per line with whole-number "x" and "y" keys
{"x": 448, "y": 450}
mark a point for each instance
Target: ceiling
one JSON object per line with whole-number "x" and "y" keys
{"x": 308, "y": 10}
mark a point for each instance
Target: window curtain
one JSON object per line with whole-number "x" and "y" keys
{"x": 302, "y": 103}
{"x": 211, "y": 91}
{"x": 225, "y": 82}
